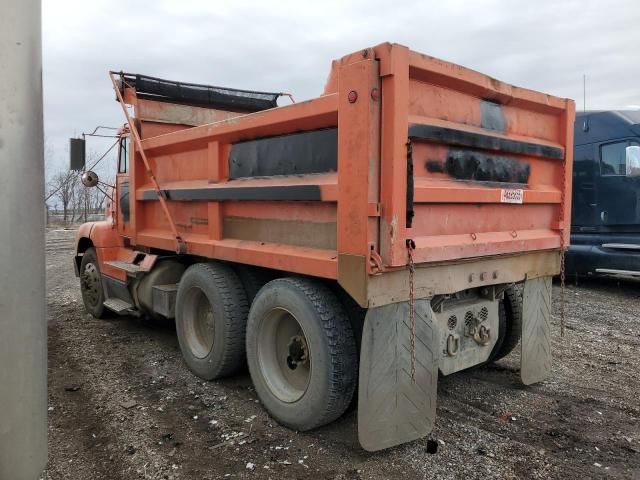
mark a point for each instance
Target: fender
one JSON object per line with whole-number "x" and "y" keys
{"x": 102, "y": 234}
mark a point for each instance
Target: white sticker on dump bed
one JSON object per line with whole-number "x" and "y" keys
{"x": 511, "y": 196}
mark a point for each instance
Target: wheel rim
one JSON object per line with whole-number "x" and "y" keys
{"x": 284, "y": 355}
{"x": 91, "y": 284}
{"x": 198, "y": 322}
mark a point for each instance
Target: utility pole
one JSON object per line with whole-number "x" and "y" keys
{"x": 23, "y": 332}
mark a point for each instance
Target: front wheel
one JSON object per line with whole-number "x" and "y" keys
{"x": 91, "y": 284}
{"x": 301, "y": 353}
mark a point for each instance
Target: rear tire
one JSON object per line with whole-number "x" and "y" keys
{"x": 253, "y": 279}
{"x": 91, "y": 284}
{"x": 510, "y": 324}
{"x": 211, "y": 316}
{"x": 355, "y": 313}
{"x": 301, "y": 353}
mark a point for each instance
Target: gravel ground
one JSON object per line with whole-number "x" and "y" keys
{"x": 122, "y": 405}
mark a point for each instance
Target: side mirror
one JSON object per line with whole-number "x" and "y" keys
{"x": 76, "y": 154}
{"x": 633, "y": 161}
{"x": 89, "y": 179}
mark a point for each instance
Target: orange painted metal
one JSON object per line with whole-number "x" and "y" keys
{"x": 358, "y": 154}
{"x": 136, "y": 137}
{"x": 313, "y": 114}
{"x": 394, "y": 68}
{"x": 367, "y": 197}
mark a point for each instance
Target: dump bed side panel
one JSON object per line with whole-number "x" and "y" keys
{"x": 259, "y": 189}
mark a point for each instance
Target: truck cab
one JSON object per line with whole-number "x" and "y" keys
{"x": 605, "y": 220}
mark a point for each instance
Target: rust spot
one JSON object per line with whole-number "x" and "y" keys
{"x": 392, "y": 227}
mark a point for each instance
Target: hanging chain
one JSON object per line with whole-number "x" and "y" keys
{"x": 412, "y": 309}
{"x": 562, "y": 248}
{"x": 562, "y": 281}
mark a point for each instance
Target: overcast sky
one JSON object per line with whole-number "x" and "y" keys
{"x": 288, "y": 46}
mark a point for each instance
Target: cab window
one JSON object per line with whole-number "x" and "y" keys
{"x": 123, "y": 157}
{"x": 613, "y": 158}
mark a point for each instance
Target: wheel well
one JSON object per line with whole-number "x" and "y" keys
{"x": 84, "y": 244}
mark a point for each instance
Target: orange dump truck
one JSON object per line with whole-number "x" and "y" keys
{"x": 369, "y": 239}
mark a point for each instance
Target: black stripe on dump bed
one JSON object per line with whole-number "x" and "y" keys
{"x": 452, "y": 136}
{"x": 295, "y": 154}
{"x": 284, "y": 193}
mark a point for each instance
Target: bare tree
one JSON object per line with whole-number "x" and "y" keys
{"x": 97, "y": 198}
{"x": 63, "y": 187}
{"x": 79, "y": 203}
{"x": 88, "y": 201}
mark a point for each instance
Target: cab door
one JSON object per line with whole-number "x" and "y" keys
{"x": 586, "y": 171}
{"x": 122, "y": 186}
{"x": 618, "y": 194}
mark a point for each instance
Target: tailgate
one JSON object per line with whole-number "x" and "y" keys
{"x": 488, "y": 165}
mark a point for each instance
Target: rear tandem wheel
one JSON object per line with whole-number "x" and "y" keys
{"x": 211, "y": 316}
{"x": 510, "y": 324}
{"x": 301, "y": 352}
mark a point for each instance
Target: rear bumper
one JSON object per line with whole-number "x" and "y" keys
{"x": 451, "y": 277}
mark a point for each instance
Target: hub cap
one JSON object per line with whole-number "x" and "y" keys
{"x": 284, "y": 355}
{"x": 198, "y": 323}
{"x": 91, "y": 284}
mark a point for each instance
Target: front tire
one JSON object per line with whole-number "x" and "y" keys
{"x": 211, "y": 317}
{"x": 91, "y": 284}
{"x": 301, "y": 353}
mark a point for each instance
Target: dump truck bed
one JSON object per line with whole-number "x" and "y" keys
{"x": 424, "y": 189}
{"x": 402, "y": 150}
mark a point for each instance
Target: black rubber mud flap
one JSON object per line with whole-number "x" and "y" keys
{"x": 535, "y": 361}
{"x": 391, "y": 408}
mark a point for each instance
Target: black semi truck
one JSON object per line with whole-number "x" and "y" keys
{"x": 605, "y": 224}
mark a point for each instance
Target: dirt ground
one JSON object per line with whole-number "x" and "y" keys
{"x": 122, "y": 405}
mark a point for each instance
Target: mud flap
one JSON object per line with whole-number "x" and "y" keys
{"x": 535, "y": 361}
{"x": 391, "y": 408}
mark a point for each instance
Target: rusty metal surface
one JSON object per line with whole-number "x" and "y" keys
{"x": 353, "y": 276}
{"x": 287, "y": 232}
{"x": 172, "y": 113}
{"x": 460, "y": 326}
{"x": 454, "y": 277}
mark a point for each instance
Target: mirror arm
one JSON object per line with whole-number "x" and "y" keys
{"x": 104, "y": 192}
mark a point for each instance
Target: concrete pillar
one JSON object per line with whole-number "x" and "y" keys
{"x": 23, "y": 333}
